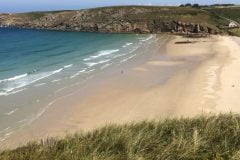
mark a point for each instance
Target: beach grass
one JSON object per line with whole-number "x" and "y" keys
{"x": 203, "y": 137}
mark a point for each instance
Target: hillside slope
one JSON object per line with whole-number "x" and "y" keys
{"x": 138, "y": 19}
{"x": 224, "y": 16}
{"x": 133, "y": 19}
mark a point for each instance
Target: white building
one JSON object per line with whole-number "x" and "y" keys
{"x": 233, "y": 25}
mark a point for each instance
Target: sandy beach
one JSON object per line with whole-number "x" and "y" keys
{"x": 177, "y": 79}
{"x": 201, "y": 78}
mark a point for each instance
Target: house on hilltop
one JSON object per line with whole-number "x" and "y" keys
{"x": 233, "y": 24}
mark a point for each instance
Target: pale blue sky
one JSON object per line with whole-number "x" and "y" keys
{"x": 43, "y": 5}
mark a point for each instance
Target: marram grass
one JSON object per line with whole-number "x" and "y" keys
{"x": 213, "y": 137}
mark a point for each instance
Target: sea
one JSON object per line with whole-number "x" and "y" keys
{"x": 37, "y": 67}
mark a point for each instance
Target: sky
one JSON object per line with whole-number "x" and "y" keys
{"x": 11, "y": 6}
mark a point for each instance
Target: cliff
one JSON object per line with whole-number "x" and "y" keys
{"x": 127, "y": 19}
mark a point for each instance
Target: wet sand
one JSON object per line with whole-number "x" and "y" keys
{"x": 174, "y": 80}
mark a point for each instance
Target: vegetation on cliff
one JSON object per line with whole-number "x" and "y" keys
{"x": 140, "y": 19}
{"x": 232, "y": 13}
{"x": 203, "y": 137}
{"x": 234, "y": 32}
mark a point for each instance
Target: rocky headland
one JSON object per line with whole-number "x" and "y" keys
{"x": 123, "y": 19}
{"x": 132, "y": 19}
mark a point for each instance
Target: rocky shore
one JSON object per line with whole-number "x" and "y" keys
{"x": 116, "y": 19}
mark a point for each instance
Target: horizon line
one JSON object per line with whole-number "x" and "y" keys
{"x": 131, "y": 5}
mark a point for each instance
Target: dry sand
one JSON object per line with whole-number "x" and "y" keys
{"x": 194, "y": 78}
{"x": 202, "y": 82}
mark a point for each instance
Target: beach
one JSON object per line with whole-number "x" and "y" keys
{"x": 171, "y": 79}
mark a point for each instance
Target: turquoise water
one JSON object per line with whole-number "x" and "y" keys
{"x": 35, "y": 66}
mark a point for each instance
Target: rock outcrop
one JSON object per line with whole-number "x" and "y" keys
{"x": 120, "y": 20}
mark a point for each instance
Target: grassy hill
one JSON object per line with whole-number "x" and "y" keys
{"x": 204, "y": 137}
{"x": 148, "y": 19}
{"x": 224, "y": 15}
{"x": 160, "y": 12}
{"x": 188, "y": 14}
{"x": 227, "y": 12}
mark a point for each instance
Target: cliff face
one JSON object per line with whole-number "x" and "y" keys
{"x": 116, "y": 19}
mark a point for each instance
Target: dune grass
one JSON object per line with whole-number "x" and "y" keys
{"x": 204, "y": 137}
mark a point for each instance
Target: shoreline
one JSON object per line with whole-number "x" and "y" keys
{"x": 172, "y": 81}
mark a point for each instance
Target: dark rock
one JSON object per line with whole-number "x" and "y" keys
{"x": 107, "y": 20}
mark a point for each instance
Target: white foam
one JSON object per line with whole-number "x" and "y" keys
{"x": 56, "y": 80}
{"x": 11, "y": 112}
{"x": 134, "y": 49}
{"x": 87, "y": 59}
{"x": 17, "y": 91}
{"x": 23, "y": 120}
{"x": 90, "y": 64}
{"x": 78, "y": 73}
{"x": 8, "y": 134}
{"x": 102, "y": 53}
{"x": 82, "y": 71}
{"x": 68, "y": 66}
{"x": 146, "y": 39}
{"x": 24, "y": 80}
{"x": 13, "y": 92}
{"x": 59, "y": 90}
{"x": 126, "y": 59}
{"x": 104, "y": 61}
{"x": 106, "y": 65}
{"x": 75, "y": 75}
{"x": 57, "y": 71}
{"x": 90, "y": 71}
{"x": 14, "y": 78}
{"x": 128, "y": 44}
{"x": 106, "y": 52}
{"x": 2, "y": 139}
{"x": 6, "y": 129}
{"x": 3, "y": 94}
{"x": 119, "y": 55}
{"x": 40, "y": 84}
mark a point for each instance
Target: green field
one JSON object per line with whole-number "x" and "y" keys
{"x": 228, "y": 12}
{"x": 204, "y": 137}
